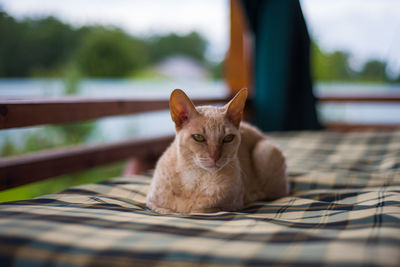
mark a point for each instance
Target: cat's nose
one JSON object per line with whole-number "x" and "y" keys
{"x": 215, "y": 155}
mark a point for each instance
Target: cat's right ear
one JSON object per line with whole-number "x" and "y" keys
{"x": 235, "y": 107}
{"x": 182, "y": 109}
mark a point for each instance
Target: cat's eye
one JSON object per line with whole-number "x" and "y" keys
{"x": 228, "y": 138}
{"x": 198, "y": 138}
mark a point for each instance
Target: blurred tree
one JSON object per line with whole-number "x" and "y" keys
{"x": 74, "y": 133}
{"x": 216, "y": 70}
{"x": 338, "y": 63}
{"x": 319, "y": 63}
{"x": 34, "y": 45}
{"x": 397, "y": 80}
{"x": 49, "y": 47}
{"x": 10, "y": 44}
{"x": 374, "y": 71}
{"x": 48, "y": 43}
{"x": 72, "y": 79}
{"x": 330, "y": 66}
{"x": 8, "y": 148}
{"x": 192, "y": 45}
{"x": 111, "y": 53}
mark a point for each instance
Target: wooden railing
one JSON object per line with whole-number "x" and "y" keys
{"x": 389, "y": 97}
{"x": 367, "y": 99}
{"x": 20, "y": 170}
{"x": 21, "y": 113}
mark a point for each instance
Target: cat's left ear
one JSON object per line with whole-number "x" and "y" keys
{"x": 235, "y": 107}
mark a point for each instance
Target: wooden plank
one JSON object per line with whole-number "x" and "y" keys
{"x": 345, "y": 127}
{"x": 384, "y": 97}
{"x": 21, "y": 113}
{"x": 20, "y": 170}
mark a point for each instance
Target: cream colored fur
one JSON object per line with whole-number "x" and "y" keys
{"x": 213, "y": 175}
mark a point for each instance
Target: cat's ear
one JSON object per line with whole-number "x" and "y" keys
{"x": 235, "y": 107}
{"x": 182, "y": 109}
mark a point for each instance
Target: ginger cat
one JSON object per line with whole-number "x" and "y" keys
{"x": 216, "y": 162}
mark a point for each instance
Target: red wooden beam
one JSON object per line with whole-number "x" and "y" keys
{"x": 21, "y": 113}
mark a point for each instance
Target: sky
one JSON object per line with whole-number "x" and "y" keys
{"x": 367, "y": 29}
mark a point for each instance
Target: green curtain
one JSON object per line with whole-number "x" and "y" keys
{"x": 282, "y": 81}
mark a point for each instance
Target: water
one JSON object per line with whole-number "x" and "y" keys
{"x": 154, "y": 124}
{"x": 103, "y": 88}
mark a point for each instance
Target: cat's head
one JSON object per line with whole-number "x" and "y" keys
{"x": 208, "y": 136}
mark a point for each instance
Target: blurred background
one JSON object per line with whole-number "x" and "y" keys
{"x": 121, "y": 48}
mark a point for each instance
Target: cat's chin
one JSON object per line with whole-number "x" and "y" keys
{"x": 208, "y": 165}
{"x": 212, "y": 168}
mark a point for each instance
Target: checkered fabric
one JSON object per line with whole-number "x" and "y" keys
{"x": 344, "y": 210}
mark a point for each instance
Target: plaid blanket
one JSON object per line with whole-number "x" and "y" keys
{"x": 344, "y": 211}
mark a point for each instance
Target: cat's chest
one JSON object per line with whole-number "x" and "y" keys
{"x": 195, "y": 179}
{"x": 199, "y": 182}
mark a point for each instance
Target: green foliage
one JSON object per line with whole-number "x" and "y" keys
{"x": 216, "y": 70}
{"x": 41, "y": 140}
{"x": 47, "y": 47}
{"x": 374, "y": 71}
{"x": 319, "y": 66}
{"x": 335, "y": 67}
{"x": 34, "y": 45}
{"x": 192, "y": 45}
{"x": 50, "y": 137}
{"x": 148, "y": 74}
{"x": 8, "y": 149}
{"x": 74, "y": 133}
{"x": 330, "y": 67}
{"x": 111, "y": 53}
{"x": 72, "y": 79}
{"x": 10, "y": 44}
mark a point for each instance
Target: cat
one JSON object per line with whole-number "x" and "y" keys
{"x": 216, "y": 162}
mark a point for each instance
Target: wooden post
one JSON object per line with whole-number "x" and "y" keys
{"x": 238, "y": 63}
